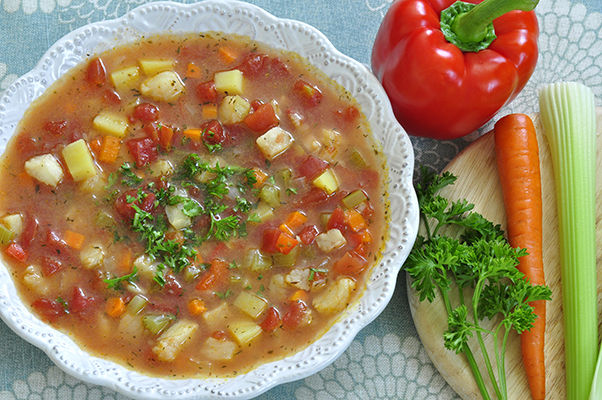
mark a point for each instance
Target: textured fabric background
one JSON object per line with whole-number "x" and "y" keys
{"x": 386, "y": 360}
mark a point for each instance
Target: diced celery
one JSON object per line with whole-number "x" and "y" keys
{"x": 263, "y": 212}
{"x": 324, "y": 217}
{"x": 354, "y": 198}
{"x": 250, "y": 304}
{"x": 155, "y": 323}
{"x": 327, "y": 181}
{"x": 230, "y": 82}
{"x": 136, "y": 305}
{"x": 286, "y": 260}
{"x": 111, "y": 124}
{"x": 104, "y": 220}
{"x": 125, "y": 78}
{"x": 191, "y": 272}
{"x": 358, "y": 159}
{"x": 153, "y": 67}
{"x": 79, "y": 160}
{"x": 270, "y": 194}
{"x": 245, "y": 331}
{"x": 256, "y": 260}
{"x": 6, "y": 235}
{"x": 286, "y": 176}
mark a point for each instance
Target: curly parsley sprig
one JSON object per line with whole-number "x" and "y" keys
{"x": 480, "y": 263}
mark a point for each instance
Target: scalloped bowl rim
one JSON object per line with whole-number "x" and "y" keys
{"x": 236, "y": 17}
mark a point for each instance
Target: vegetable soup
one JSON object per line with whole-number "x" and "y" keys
{"x": 193, "y": 206}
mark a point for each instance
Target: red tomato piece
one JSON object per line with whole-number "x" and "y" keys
{"x": 348, "y": 115}
{"x": 30, "y": 232}
{"x": 96, "y": 72}
{"x": 79, "y": 301}
{"x": 50, "y": 266}
{"x": 312, "y": 167}
{"x": 146, "y": 112}
{"x": 111, "y": 97}
{"x": 253, "y": 65}
{"x": 152, "y": 131}
{"x": 337, "y": 220}
{"x": 55, "y": 244}
{"x": 172, "y": 286}
{"x": 279, "y": 67}
{"x": 220, "y": 335}
{"x": 206, "y": 92}
{"x": 124, "y": 204}
{"x": 213, "y": 132}
{"x": 297, "y": 315}
{"x": 311, "y": 95}
{"x": 216, "y": 278}
{"x": 143, "y": 150}
{"x": 272, "y": 320}
{"x": 308, "y": 234}
{"x": 56, "y": 127}
{"x": 314, "y": 196}
{"x": 351, "y": 263}
{"x": 16, "y": 251}
{"x": 262, "y": 119}
{"x": 48, "y": 309}
{"x": 270, "y": 240}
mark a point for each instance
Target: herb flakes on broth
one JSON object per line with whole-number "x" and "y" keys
{"x": 192, "y": 206}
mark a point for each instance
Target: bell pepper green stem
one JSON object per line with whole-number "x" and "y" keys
{"x": 471, "y": 26}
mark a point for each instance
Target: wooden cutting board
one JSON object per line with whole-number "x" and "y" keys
{"x": 478, "y": 182}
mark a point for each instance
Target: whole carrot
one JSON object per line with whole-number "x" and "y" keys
{"x": 518, "y": 165}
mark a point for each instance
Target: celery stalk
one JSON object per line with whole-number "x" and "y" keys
{"x": 569, "y": 120}
{"x": 596, "y": 390}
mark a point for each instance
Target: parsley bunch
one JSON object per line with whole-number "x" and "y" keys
{"x": 478, "y": 262}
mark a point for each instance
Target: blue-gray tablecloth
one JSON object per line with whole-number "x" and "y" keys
{"x": 386, "y": 360}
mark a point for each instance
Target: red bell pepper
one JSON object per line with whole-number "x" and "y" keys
{"x": 449, "y": 69}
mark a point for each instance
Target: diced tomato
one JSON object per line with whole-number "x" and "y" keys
{"x": 310, "y": 94}
{"x": 143, "y": 150}
{"x": 297, "y": 315}
{"x": 111, "y": 97}
{"x": 96, "y": 72}
{"x": 314, "y": 196}
{"x": 351, "y": 263}
{"x": 30, "y": 231}
{"x": 220, "y": 335}
{"x": 270, "y": 240}
{"x": 16, "y": 251}
{"x": 337, "y": 220}
{"x": 50, "y": 265}
{"x": 55, "y": 244}
{"x": 368, "y": 211}
{"x": 308, "y": 234}
{"x": 262, "y": 119}
{"x": 80, "y": 303}
{"x": 312, "y": 167}
{"x": 348, "y": 115}
{"x": 213, "y": 132}
{"x": 253, "y": 65}
{"x": 165, "y": 137}
{"x": 206, "y": 92}
{"x": 56, "y": 127}
{"x": 216, "y": 278}
{"x": 124, "y": 204}
{"x": 152, "y": 130}
{"x": 279, "y": 67}
{"x": 172, "y": 286}
{"x": 51, "y": 310}
{"x": 146, "y": 112}
{"x": 272, "y": 320}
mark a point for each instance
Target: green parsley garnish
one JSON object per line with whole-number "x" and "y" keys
{"x": 115, "y": 283}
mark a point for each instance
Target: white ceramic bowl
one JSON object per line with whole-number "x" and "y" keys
{"x": 244, "y": 19}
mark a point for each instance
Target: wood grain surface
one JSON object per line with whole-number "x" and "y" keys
{"x": 478, "y": 182}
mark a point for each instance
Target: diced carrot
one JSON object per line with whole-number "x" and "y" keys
{"x": 286, "y": 243}
{"x": 193, "y": 134}
{"x": 209, "y": 111}
{"x": 215, "y": 278}
{"x": 109, "y": 149}
{"x": 196, "y": 306}
{"x": 286, "y": 229}
{"x": 193, "y": 71}
{"x": 355, "y": 220}
{"x": 16, "y": 252}
{"x": 260, "y": 177}
{"x": 96, "y": 144}
{"x": 299, "y": 295}
{"x": 227, "y": 54}
{"x": 115, "y": 307}
{"x": 74, "y": 239}
{"x": 125, "y": 261}
{"x": 165, "y": 137}
{"x": 296, "y": 219}
{"x": 367, "y": 236}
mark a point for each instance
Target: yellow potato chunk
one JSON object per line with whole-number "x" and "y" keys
{"x": 229, "y": 82}
{"x": 153, "y": 67}
{"x": 125, "y": 78}
{"x": 173, "y": 340}
{"x": 111, "y": 124}
{"x": 45, "y": 168}
{"x": 336, "y": 297}
{"x": 327, "y": 181}
{"x": 244, "y": 331}
{"x": 79, "y": 160}
{"x": 250, "y": 304}
{"x": 165, "y": 86}
{"x": 233, "y": 109}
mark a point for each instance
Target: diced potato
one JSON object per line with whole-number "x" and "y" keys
{"x": 165, "y": 86}
{"x": 336, "y": 296}
{"x": 250, "y": 304}
{"x": 14, "y": 222}
{"x": 125, "y": 78}
{"x": 146, "y": 266}
{"x": 327, "y": 181}
{"x": 331, "y": 240}
{"x": 79, "y": 160}
{"x": 176, "y": 217}
{"x": 215, "y": 349}
{"x": 92, "y": 256}
{"x": 233, "y": 109}
{"x": 173, "y": 340}
{"x": 153, "y": 67}
{"x": 161, "y": 168}
{"x": 111, "y": 124}
{"x": 34, "y": 279}
{"x": 244, "y": 331}
{"x": 130, "y": 326}
{"x": 217, "y": 316}
{"x": 229, "y": 82}
{"x": 274, "y": 142}
{"x": 93, "y": 184}
{"x": 45, "y": 168}
{"x": 298, "y": 278}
